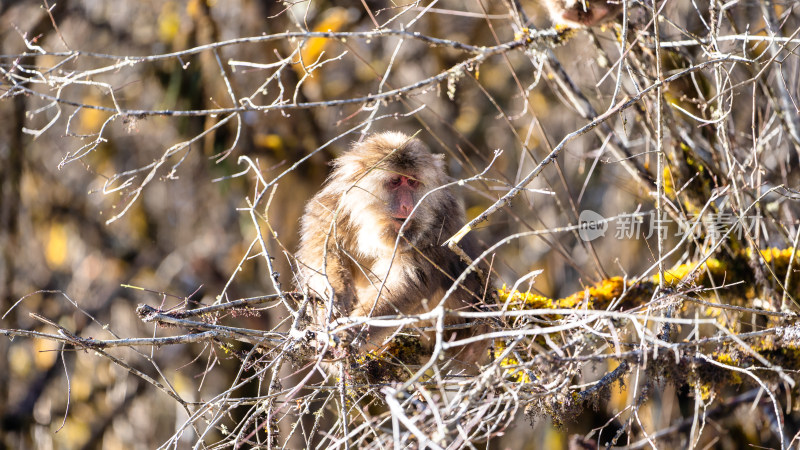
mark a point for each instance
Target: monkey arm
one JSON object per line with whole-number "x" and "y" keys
{"x": 323, "y": 269}
{"x": 327, "y": 280}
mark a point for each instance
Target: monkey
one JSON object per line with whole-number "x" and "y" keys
{"x": 370, "y": 243}
{"x": 582, "y": 13}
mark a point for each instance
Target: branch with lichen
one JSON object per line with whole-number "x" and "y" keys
{"x": 689, "y": 277}
{"x": 651, "y": 334}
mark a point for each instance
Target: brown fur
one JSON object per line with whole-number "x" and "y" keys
{"x": 349, "y": 219}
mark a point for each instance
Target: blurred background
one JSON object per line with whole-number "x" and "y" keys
{"x": 100, "y": 212}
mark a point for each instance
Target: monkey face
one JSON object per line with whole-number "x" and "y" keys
{"x": 389, "y": 176}
{"x": 403, "y": 196}
{"x": 388, "y": 203}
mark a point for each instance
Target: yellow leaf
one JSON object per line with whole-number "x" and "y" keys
{"x": 91, "y": 119}
{"x": 169, "y": 22}
{"x": 44, "y": 353}
{"x": 553, "y": 438}
{"x": 75, "y": 432}
{"x": 81, "y": 388}
{"x": 19, "y": 360}
{"x": 270, "y": 141}
{"x": 335, "y": 19}
{"x": 56, "y": 249}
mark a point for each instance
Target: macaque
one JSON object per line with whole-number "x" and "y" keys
{"x": 347, "y": 258}
{"x": 582, "y": 13}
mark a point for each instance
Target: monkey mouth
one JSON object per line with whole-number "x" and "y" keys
{"x": 398, "y": 223}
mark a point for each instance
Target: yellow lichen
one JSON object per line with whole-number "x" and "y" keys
{"x": 679, "y": 273}
{"x": 527, "y": 300}
{"x": 510, "y": 364}
{"x": 600, "y": 295}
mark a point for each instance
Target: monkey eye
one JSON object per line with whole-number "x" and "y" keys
{"x": 413, "y": 183}
{"x": 395, "y": 181}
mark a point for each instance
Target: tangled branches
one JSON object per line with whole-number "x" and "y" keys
{"x": 642, "y": 218}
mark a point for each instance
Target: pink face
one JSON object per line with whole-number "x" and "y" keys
{"x": 403, "y": 193}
